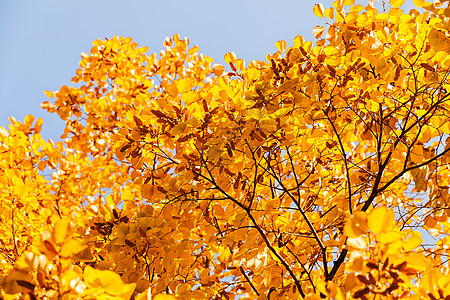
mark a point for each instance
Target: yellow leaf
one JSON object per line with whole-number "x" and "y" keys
{"x": 145, "y": 295}
{"x": 388, "y": 237}
{"x": 440, "y": 56}
{"x": 49, "y": 94}
{"x": 240, "y": 64}
{"x": 61, "y": 230}
{"x": 107, "y": 280}
{"x": 193, "y": 50}
{"x": 281, "y": 45}
{"x": 318, "y": 10}
{"x": 71, "y": 247}
{"x": 146, "y": 114}
{"x": 299, "y": 41}
{"x": 127, "y": 291}
{"x": 329, "y": 13}
{"x": 230, "y": 57}
{"x": 418, "y": 3}
{"x": 184, "y": 85}
{"x": 253, "y": 73}
{"x": 416, "y": 261}
{"x": 331, "y": 51}
{"x": 412, "y": 243}
{"x": 349, "y": 2}
{"x": 396, "y": 3}
{"x": 380, "y": 220}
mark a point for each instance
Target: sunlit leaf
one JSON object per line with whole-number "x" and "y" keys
{"x": 380, "y": 220}
{"x": 319, "y": 10}
{"x": 61, "y": 230}
{"x": 318, "y": 31}
{"x": 281, "y": 45}
{"x": 396, "y": 3}
{"x": 357, "y": 225}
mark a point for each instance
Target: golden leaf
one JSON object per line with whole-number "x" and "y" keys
{"x": 381, "y": 219}
{"x": 396, "y": 3}
{"x": 281, "y": 45}
{"x": 230, "y": 57}
{"x": 49, "y": 94}
{"x": 418, "y": 3}
{"x": 72, "y": 247}
{"x": 319, "y": 10}
{"x": 61, "y": 229}
{"x": 329, "y": 13}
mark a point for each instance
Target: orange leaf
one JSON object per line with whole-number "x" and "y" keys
{"x": 218, "y": 69}
{"x": 147, "y": 190}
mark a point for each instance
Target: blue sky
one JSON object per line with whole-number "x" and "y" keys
{"x": 42, "y": 40}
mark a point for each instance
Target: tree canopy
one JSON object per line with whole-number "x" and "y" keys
{"x": 322, "y": 172}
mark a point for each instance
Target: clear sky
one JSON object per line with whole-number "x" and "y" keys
{"x": 41, "y": 41}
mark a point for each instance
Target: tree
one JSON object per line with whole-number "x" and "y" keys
{"x": 311, "y": 175}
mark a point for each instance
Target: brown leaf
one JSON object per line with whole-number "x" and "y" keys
{"x": 397, "y": 73}
{"x": 363, "y": 279}
{"x": 427, "y": 66}
{"x": 50, "y": 247}
{"x": 114, "y": 211}
{"x": 25, "y": 284}
{"x": 158, "y": 114}
{"x": 205, "y": 105}
{"x": 40, "y": 276}
{"x": 400, "y": 266}
{"x": 184, "y": 138}
{"x": 361, "y": 293}
{"x": 372, "y": 265}
{"x": 129, "y": 243}
{"x": 386, "y": 262}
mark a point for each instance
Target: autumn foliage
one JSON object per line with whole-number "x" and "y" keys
{"x": 322, "y": 172}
